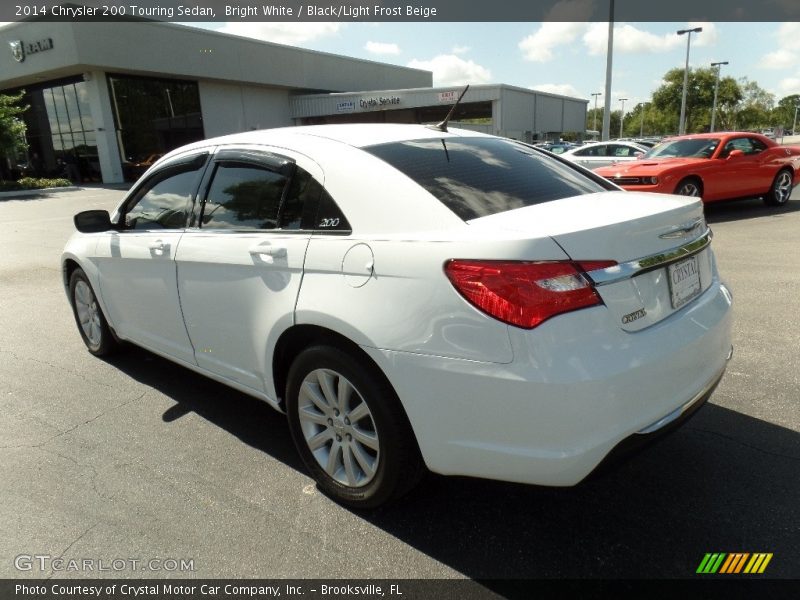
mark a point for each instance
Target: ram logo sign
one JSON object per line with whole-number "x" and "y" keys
{"x": 17, "y": 50}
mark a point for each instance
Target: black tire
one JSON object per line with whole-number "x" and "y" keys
{"x": 690, "y": 186}
{"x": 89, "y": 317}
{"x": 391, "y": 468}
{"x": 780, "y": 190}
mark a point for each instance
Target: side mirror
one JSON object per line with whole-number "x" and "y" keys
{"x": 639, "y": 155}
{"x": 735, "y": 153}
{"x": 93, "y": 221}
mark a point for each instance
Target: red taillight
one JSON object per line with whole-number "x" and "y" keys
{"x": 525, "y": 294}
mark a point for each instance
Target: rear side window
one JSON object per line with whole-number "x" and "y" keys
{"x": 477, "y": 177}
{"x": 592, "y": 151}
{"x": 330, "y": 216}
{"x": 243, "y": 197}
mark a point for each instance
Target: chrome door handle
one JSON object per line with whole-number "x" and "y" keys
{"x": 158, "y": 247}
{"x": 273, "y": 251}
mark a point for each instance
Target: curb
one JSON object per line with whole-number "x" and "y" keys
{"x": 72, "y": 188}
{"x": 25, "y": 193}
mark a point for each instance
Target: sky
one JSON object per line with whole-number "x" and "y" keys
{"x": 564, "y": 58}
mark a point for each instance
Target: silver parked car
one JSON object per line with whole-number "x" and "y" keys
{"x": 602, "y": 154}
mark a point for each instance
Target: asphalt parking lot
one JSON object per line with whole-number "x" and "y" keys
{"x": 134, "y": 457}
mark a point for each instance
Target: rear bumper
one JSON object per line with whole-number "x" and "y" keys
{"x": 577, "y": 388}
{"x": 660, "y": 429}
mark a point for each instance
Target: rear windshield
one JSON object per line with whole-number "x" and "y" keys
{"x": 478, "y": 177}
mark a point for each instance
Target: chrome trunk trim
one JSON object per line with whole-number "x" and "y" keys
{"x": 636, "y": 267}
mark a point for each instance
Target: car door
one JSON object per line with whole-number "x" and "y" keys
{"x": 136, "y": 262}
{"x": 743, "y": 174}
{"x": 241, "y": 263}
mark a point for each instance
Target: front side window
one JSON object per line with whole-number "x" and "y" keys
{"x": 477, "y": 177}
{"x": 243, "y": 197}
{"x": 743, "y": 144}
{"x": 165, "y": 203}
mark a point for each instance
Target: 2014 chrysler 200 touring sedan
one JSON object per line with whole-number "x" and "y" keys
{"x": 413, "y": 298}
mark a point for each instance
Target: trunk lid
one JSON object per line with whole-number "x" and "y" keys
{"x": 625, "y": 227}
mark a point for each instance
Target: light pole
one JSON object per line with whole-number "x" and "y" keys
{"x": 716, "y": 89}
{"x": 794, "y": 124}
{"x": 609, "y": 53}
{"x": 621, "y": 115}
{"x": 641, "y": 127}
{"x": 594, "y": 121}
{"x": 169, "y": 103}
{"x": 682, "y": 122}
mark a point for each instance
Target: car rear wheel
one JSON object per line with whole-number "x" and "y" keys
{"x": 350, "y": 429}
{"x": 92, "y": 324}
{"x": 691, "y": 186}
{"x": 781, "y": 189}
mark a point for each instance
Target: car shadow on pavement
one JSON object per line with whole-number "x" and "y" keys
{"x": 724, "y": 482}
{"x": 7, "y": 197}
{"x": 749, "y": 208}
{"x": 251, "y": 420}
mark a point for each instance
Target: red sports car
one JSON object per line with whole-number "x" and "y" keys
{"x": 715, "y": 166}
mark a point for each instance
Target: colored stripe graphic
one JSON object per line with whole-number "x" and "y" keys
{"x": 737, "y": 563}
{"x": 734, "y": 563}
{"x": 711, "y": 562}
{"x": 741, "y": 562}
{"x": 703, "y": 564}
{"x": 758, "y": 563}
{"x": 727, "y": 564}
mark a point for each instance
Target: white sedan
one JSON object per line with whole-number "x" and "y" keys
{"x": 602, "y": 154}
{"x": 413, "y": 298}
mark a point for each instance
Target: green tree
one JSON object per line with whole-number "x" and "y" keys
{"x": 12, "y": 128}
{"x": 783, "y": 114}
{"x": 613, "y": 129}
{"x": 640, "y": 119}
{"x": 755, "y": 108}
{"x": 592, "y": 120}
{"x": 666, "y": 107}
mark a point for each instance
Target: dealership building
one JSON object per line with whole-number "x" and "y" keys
{"x": 109, "y": 98}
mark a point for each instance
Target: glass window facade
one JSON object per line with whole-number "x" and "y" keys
{"x": 60, "y": 133}
{"x": 153, "y": 116}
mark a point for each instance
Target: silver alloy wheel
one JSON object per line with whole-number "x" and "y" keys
{"x": 338, "y": 428}
{"x": 782, "y": 188}
{"x": 88, "y": 313}
{"x": 688, "y": 188}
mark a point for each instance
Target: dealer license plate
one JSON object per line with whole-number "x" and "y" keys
{"x": 684, "y": 281}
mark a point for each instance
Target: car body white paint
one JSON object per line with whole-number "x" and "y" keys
{"x": 484, "y": 398}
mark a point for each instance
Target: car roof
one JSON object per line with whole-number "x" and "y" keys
{"x": 357, "y": 135}
{"x": 596, "y": 143}
{"x": 716, "y": 134}
{"x": 337, "y": 150}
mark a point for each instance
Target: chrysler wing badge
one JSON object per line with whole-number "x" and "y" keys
{"x": 683, "y": 230}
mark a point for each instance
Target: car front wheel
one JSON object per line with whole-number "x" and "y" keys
{"x": 350, "y": 429}
{"x": 781, "y": 189}
{"x": 690, "y": 186}
{"x": 92, "y": 324}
